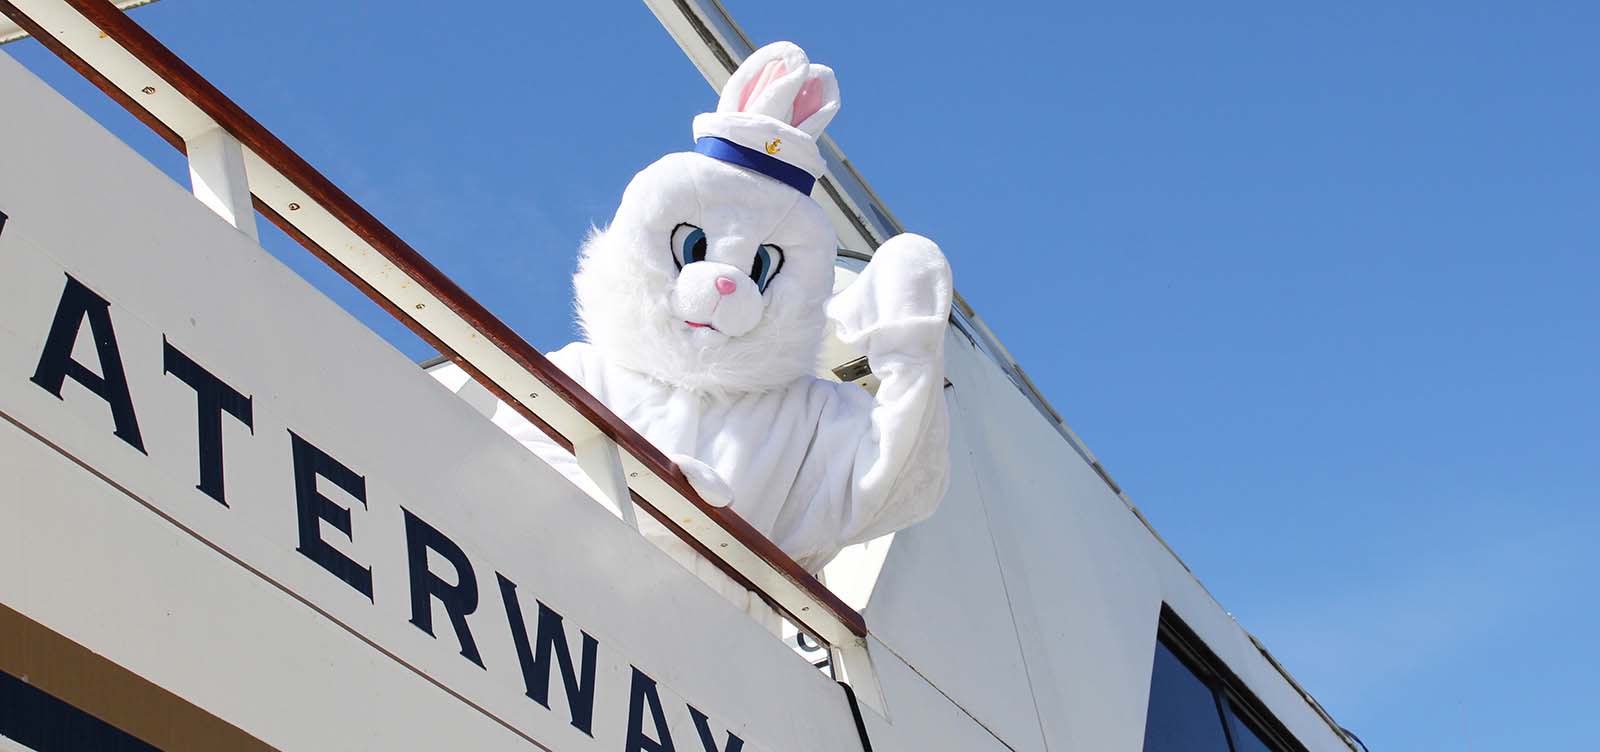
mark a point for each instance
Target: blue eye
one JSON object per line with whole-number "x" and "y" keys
{"x": 688, "y": 245}
{"x": 767, "y": 264}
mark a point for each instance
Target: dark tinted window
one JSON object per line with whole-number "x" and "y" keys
{"x": 1183, "y": 711}
{"x": 1245, "y": 739}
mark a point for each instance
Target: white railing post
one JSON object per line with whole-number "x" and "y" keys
{"x": 852, "y": 665}
{"x": 601, "y": 459}
{"x": 216, "y": 174}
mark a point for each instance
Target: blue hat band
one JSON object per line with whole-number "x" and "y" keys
{"x": 766, "y": 164}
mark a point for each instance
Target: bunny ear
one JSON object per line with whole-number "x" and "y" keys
{"x": 817, "y": 101}
{"x": 766, "y": 82}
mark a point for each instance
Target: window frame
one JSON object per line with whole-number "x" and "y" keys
{"x": 1226, "y": 686}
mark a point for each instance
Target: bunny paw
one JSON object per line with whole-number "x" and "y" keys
{"x": 705, "y": 480}
{"x": 907, "y": 283}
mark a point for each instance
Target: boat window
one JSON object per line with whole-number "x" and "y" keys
{"x": 1245, "y": 738}
{"x": 1198, "y": 704}
{"x": 1183, "y": 709}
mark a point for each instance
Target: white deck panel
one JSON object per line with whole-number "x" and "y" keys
{"x": 105, "y": 572}
{"x": 170, "y": 268}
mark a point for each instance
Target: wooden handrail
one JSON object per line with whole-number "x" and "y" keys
{"x": 654, "y": 480}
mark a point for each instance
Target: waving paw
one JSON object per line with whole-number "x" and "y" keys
{"x": 904, "y": 292}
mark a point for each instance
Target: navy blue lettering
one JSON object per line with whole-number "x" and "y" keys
{"x": 56, "y": 364}
{"x": 314, "y": 508}
{"x": 702, "y": 725}
{"x": 459, "y": 599}
{"x": 212, "y": 399}
{"x": 552, "y": 638}
{"x": 641, "y": 693}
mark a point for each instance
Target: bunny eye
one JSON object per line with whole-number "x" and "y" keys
{"x": 688, "y": 245}
{"x": 767, "y": 264}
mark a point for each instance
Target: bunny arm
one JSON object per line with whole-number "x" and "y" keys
{"x": 879, "y": 464}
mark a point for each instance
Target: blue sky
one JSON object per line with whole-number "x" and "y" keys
{"x": 1315, "y": 283}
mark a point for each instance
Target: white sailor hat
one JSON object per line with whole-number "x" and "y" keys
{"x": 771, "y": 113}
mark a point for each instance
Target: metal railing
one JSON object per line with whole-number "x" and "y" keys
{"x": 238, "y": 165}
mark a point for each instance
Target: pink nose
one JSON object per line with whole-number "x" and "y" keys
{"x": 726, "y": 286}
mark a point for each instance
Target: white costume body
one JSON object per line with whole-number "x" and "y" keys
{"x": 815, "y": 466}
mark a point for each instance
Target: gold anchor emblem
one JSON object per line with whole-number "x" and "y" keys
{"x": 774, "y": 146}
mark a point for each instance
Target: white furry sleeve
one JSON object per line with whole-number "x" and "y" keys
{"x": 879, "y": 465}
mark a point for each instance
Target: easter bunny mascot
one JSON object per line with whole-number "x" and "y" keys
{"x": 704, "y": 304}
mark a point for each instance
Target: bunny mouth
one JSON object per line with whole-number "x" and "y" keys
{"x": 699, "y": 325}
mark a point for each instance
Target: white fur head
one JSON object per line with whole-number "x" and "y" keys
{"x": 678, "y": 325}
{"x": 713, "y": 276}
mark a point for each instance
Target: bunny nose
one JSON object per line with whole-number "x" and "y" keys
{"x": 726, "y": 286}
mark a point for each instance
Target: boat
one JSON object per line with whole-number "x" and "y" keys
{"x": 237, "y": 518}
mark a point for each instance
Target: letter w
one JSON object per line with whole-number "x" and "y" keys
{"x": 536, "y": 661}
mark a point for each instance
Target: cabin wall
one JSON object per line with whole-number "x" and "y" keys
{"x": 1079, "y": 578}
{"x": 1079, "y": 569}
{"x": 941, "y": 598}
{"x": 921, "y": 715}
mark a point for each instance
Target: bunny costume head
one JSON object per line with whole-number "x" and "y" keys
{"x": 714, "y": 273}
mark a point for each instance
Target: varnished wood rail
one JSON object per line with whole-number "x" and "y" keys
{"x": 123, "y": 60}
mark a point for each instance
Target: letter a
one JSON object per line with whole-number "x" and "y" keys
{"x": 642, "y": 692}
{"x": 56, "y": 363}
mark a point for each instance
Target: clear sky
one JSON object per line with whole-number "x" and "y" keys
{"x": 1315, "y": 281}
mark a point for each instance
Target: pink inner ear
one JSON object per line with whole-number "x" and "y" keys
{"x": 807, "y": 102}
{"x": 772, "y": 70}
